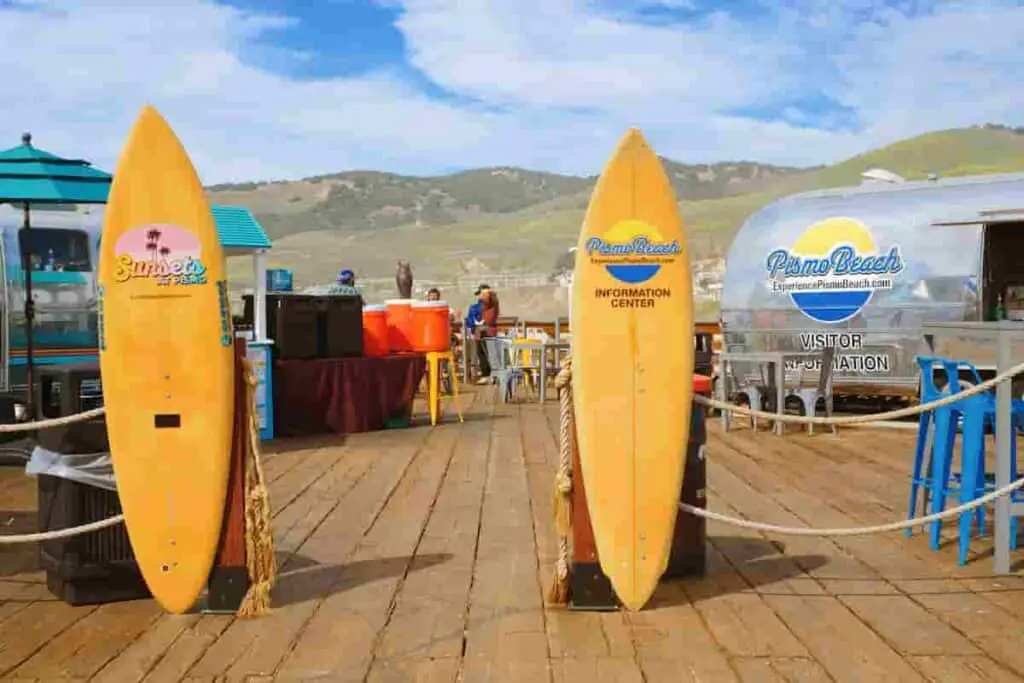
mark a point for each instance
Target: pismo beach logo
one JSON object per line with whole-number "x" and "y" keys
{"x": 632, "y": 252}
{"x": 833, "y": 269}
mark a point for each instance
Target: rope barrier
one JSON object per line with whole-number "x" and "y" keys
{"x": 864, "y": 419}
{"x": 563, "y": 478}
{"x": 62, "y": 533}
{"x": 70, "y": 531}
{"x": 853, "y": 531}
{"x": 52, "y": 422}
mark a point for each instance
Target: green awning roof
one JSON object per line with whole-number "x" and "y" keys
{"x": 33, "y": 175}
{"x": 238, "y": 229}
{"x": 29, "y": 174}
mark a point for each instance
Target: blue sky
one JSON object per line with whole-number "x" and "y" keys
{"x": 265, "y": 89}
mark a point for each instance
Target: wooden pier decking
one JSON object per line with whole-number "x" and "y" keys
{"x": 424, "y": 555}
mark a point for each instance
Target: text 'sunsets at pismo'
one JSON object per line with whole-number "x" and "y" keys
{"x": 632, "y": 297}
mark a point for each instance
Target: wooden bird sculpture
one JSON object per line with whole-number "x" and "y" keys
{"x": 403, "y": 278}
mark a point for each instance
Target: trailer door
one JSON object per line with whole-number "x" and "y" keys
{"x": 1000, "y": 261}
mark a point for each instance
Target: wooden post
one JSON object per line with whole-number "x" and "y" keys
{"x": 229, "y": 578}
{"x": 590, "y": 589}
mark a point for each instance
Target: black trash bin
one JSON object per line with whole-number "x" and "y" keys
{"x": 90, "y": 568}
{"x": 292, "y": 322}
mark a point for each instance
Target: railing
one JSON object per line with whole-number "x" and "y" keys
{"x": 556, "y": 328}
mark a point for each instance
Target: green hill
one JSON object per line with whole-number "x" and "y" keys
{"x": 502, "y": 219}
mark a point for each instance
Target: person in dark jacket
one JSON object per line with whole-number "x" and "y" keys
{"x": 487, "y": 326}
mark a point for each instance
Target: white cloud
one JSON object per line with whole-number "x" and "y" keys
{"x": 556, "y": 83}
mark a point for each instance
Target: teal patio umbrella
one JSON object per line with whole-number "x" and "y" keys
{"x": 28, "y": 176}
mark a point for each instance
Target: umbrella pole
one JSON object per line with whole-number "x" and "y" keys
{"x": 26, "y": 255}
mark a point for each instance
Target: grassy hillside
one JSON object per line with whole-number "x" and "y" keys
{"x": 369, "y": 200}
{"x": 500, "y": 219}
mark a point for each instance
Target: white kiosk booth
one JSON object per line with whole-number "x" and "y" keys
{"x": 241, "y": 235}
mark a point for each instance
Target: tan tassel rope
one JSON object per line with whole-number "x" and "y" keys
{"x": 558, "y": 594}
{"x": 259, "y": 538}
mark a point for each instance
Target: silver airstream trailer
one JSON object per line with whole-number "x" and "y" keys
{"x": 862, "y": 268}
{"x": 64, "y": 257}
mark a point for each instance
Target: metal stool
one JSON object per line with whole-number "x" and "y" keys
{"x": 434, "y": 395}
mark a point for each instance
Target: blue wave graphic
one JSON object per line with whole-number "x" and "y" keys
{"x": 831, "y": 307}
{"x": 633, "y": 273}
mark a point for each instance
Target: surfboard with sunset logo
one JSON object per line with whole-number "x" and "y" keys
{"x": 632, "y": 362}
{"x": 167, "y": 361}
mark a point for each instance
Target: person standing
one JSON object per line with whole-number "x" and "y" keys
{"x": 473, "y": 318}
{"x": 346, "y": 285}
{"x": 486, "y": 327}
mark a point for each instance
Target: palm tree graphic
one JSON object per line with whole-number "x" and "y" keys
{"x": 153, "y": 243}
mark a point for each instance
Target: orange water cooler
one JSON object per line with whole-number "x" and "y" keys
{"x": 431, "y": 326}
{"x": 400, "y": 326}
{"x": 375, "y": 330}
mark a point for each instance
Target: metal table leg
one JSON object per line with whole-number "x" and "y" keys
{"x": 1003, "y": 435}
{"x": 780, "y": 407}
{"x": 722, "y": 381}
{"x": 543, "y": 374}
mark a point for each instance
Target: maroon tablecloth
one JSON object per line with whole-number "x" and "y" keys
{"x": 343, "y": 395}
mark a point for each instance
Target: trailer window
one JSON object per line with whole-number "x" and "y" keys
{"x": 57, "y": 249}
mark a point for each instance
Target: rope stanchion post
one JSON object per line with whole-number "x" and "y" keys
{"x": 229, "y": 577}
{"x": 259, "y": 538}
{"x": 558, "y": 594}
{"x": 580, "y": 583}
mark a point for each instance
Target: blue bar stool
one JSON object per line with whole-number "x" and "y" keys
{"x": 979, "y": 411}
{"x": 941, "y": 422}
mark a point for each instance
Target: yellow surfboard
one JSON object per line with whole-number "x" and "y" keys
{"x": 632, "y": 362}
{"x": 166, "y": 360}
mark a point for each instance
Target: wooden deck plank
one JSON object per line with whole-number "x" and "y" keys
{"x": 196, "y": 638}
{"x": 424, "y": 636}
{"x": 846, "y": 648}
{"x": 992, "y": 629}
{"x": 889, "y": 504}
{"x": 424, "y": 554}
{"x": 743, "y": 559}
{"x": 775, "y": 670}
{"x": 182, "y": 640}
{"x": 257, "y": 647}
{"x": 673, "y": 643}
{"x": 339, "y": 639}
{"x": 596, "y": 670}
{"x": 738, "y": 619}
{"x": 30, "y": 629}
{"x": 963, "y": 670}
{"x": 813, "y": 499}
{"x": 507, "y": 637}
{"x": 581, "y": 637}
{"x": 85, "y": 647}
{"x": 908, "y": 627}
{"x": 755, "y": 503}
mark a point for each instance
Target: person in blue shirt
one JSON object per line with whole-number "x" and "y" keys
{"x": 474, "y": 319}
{"x": 474, "y": 314}
{"x": 345, "y": 285}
